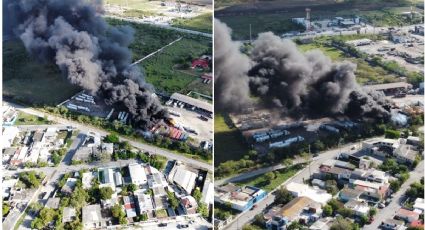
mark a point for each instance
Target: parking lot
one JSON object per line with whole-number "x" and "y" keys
{"x": 192, "y": 120}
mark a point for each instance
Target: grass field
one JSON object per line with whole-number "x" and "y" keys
{"x": 230, "y": 145}
{"x": 28, "y": 119}
{"x": 159, "y": 69}
{"x": 160, "y": 72}
{"x": 280, "y": 176}
{"x": 201, "y": 23}
{"x": 28, "y": 81}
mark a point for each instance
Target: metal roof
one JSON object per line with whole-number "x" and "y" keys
{"x": 192, "y": 101}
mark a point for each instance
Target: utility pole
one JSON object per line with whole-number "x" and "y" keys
{"x": 250, "y": 34}
{"x": 309, "y": 163}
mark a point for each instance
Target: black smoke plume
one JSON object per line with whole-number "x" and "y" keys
{"x": 299, "y": 84}
{"x": 231, "y": 84}
{"x": 88, "y": 51}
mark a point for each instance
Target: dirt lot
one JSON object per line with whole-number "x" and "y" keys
{"x": 191, "y": 120}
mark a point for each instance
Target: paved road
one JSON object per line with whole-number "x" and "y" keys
{"x": 88, "y": 128}
{"x": 398, "y": 197}
{"x": 162, "y": 25}
{"x": 302, "y": 175}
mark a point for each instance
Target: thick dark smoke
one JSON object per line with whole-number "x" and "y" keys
{"x": 231, "y": 90}
{"x": 90, "y": 53}
{"x": 301, "y": 84}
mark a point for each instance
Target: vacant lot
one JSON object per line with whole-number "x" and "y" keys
{"x": 230, "y": 145}
{"x": 29, "y": 81}
{"x": 160, "y": 69}
{"x": 201, "y": 23}
{"x": 28, "y": 119}
{"x": 281, "y": 176}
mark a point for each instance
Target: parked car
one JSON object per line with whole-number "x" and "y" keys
{"x": 162, "y": 225}
{"x": 182, "y": 226}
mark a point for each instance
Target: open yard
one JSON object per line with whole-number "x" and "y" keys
{"x": 230, "y": 144}
{"x": 29, "y": 81}
{"x": 268, "y": 185}
{"x": 28, "y": 119}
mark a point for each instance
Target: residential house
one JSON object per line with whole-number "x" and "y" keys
{"x": 208, "y": 193}
{"x": 301, "y": 209}
{"x": 359, "y": 208}
{"x": 240, "y": 198}
{"x": 322, "y": 224}
{"x": 392, "y": 224}
{"x": 189, "y": 205}
{"x": 129, "y": 206}
{"x": 407, "y": 215}
{"x": 68, "y": 214}
{"x": 347, "y": 194}
{"x": 300, "y": 190}
{"x": 144, "y": 203}
{"x": 92, "y": 217}
{"x": 419, "y": 205}
{"x": 69, "y": 186}
{"x": 53, "y": 203}
{"x": 137, "y": 174}
{"x": 184, "y": 178}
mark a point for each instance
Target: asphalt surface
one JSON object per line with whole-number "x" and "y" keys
{"x": 87, "y": 128}
{"x": 398, "y": 198}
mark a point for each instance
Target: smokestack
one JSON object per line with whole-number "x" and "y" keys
{"x": 88, "y": 51}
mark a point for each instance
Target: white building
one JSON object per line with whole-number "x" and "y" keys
{"x": 302, "y": 190}
{"x": 92, "y": 217}
{"x": 419, "y": 205}
{"x": 208, "y": 193}
{"x": 87, "y": 178}
{"x": 106, "y": 178}
{"x": 183, "y": 177}
{"x": 8, "y": 135}
{"x": 359, "y": 208}
{"x": 137, "y": 174}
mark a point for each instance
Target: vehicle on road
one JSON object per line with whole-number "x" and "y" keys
{"x": 162, "y": 225}
{"x": 182, "y": 226}
{"x": 381, "y": 205}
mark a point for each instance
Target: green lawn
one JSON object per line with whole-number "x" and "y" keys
{"x": 161, "y": 213}
{"x": 29, "y": 119}
{"x": 201, "y": 23}
{"x": 230, "y": 144}
{"x": 29, "y": 81}
{"x": 281, "y": 176}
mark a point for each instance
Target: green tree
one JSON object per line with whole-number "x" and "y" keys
{"x": 372, "y": 212}
{"x": 5, "y": 209}
{"x": 203, "y": 210}
{"x": 327, "y": 210}
{"x": 283, "y": 196}
{"x": 131, "y": 187}
{"x": 197, "y": 194}
{"x": 269, "y": 176}
{"x": 392, "y": 134}
{"x": 106, "y": 193}
{"x": 174, "y": 203}
{"x": 111, "y": 138}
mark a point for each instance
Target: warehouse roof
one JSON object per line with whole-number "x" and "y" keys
{"x": 192, "y": 101}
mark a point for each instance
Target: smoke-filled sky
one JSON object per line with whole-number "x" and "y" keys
{"x": 88, "y": 51}
{"x": 282, "y": 77}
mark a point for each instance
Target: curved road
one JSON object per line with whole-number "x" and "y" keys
{"x": 88, "y": 128}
